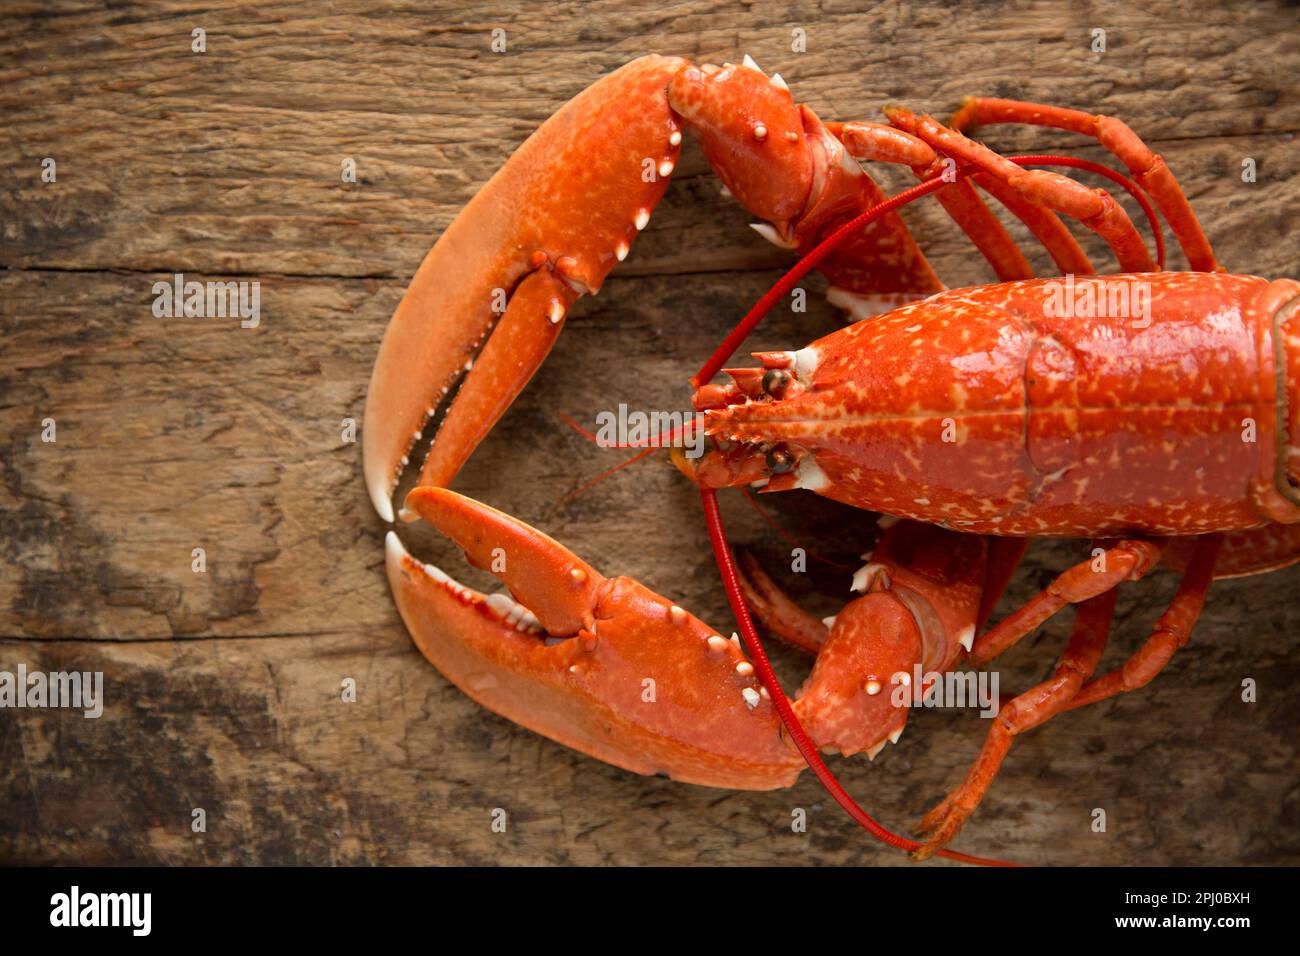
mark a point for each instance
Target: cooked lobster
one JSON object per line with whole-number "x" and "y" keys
{"x": 981, "y": 417}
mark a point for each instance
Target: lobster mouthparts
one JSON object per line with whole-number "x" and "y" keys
{"x": 602, "y": 665}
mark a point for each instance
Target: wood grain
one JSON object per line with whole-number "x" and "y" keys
{"x": 224, "y": 687}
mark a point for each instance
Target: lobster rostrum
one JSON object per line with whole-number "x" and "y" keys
{"x": 976, "y": 416}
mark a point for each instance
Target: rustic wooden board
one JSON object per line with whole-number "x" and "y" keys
{"x": 224, "y": 687}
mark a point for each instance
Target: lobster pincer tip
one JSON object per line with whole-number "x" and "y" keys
{"x": 381, "y": 498}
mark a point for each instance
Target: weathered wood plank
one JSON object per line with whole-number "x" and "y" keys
{"x": 229, "y": 161}
{"x": 223, "y": 687}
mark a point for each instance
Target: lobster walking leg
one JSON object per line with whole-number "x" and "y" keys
{"x": 1170, "y": 633}
{"x": 1077, "y": 663}
{"x": 1067, "y": 690}
{"x": 775, "y": 609}
{"x": 1094, "y": 208}
{"x": 874, "y": 141}
{"x": 1005, "y": 555}
{"x": 1147, "y": 167}
{"x": 1128, "y": 560}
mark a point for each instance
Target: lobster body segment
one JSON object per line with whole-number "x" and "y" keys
{"x": 994, "y": 410}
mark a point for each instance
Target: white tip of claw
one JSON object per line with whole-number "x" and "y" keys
{"x": 966, "y": 637}
{"x": 393, "y": 545}
{"x": 829, "y": 622}
{"x": 557, "y": 312}
{"x": 779, "y": 82}
{"x": 872, "y": 688}
{"x": 381, "y": 496}
{"x": 873, "y": 751}
{"x": 749, "y": 62}
{"x": 717, "y": 643}
{"x": 724, "y": 192}
{"x": 744, "y": 668}
{"x": 620, "y": 251}
{"x": 642, "y": 217}
{"x": 666, "y": 168}
{"x": 675, "y": 138}
{"x": 893, "y": 738}
{"x": 768, "y": 232}
{"x": 760, "y": 132}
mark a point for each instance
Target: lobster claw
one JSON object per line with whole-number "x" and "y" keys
{"x": 602, "y": 665}
{"x": 545, "y": 229}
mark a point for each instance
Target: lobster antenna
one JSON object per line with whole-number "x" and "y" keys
{"x": 802, "y": 268}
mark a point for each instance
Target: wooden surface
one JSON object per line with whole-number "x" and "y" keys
{"x": 224, "y": 687}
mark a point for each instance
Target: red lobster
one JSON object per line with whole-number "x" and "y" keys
{"x": 979, "y": 416}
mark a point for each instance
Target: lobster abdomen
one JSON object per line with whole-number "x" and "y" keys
{"x": 1157, "y": 403}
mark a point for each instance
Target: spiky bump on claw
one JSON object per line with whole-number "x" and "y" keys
{"x": 568, "y": 655}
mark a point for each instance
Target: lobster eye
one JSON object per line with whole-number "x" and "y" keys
{"x": 779, "y": 460}
{"x": 775, "y": 381}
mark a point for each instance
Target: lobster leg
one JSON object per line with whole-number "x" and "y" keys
{"x": 874, "y": 141}
{"x": 1094, "y": 208}
{"x": 776, "y": 610}
{"x": 1169, "y": 634}
{"x": 1147, "y": 167}
{"x": 1077, "y": 663}
{"x": 1005, "y": 555}
{"x": 1128, "y": 560}
{"x": 1071, "y": 687}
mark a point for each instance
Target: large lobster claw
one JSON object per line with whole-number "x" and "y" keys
{"x": 603, "y": 665}
{"x": 548, "y": 227}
